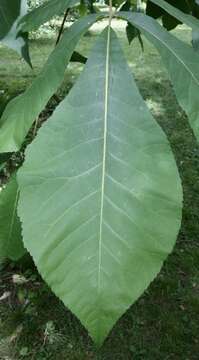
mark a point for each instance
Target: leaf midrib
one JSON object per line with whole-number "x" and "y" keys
{"x": 104, "y": 154}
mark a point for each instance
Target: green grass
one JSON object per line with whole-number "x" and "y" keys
{"x": 164, "y": 323}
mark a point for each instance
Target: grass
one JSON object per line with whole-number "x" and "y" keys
{"x": 164, "y": 323}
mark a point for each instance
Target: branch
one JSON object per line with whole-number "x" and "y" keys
{"x": 62, "y": 26}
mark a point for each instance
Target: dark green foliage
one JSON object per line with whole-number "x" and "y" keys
{"x": 132, "y": 32}
{"x": 11, "y": 12}
{"x": 169, "y": 21}
{"x": 77, "y": 57}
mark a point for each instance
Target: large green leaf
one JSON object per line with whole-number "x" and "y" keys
{"x": 180, "y": 60}
{"x": 21, "y": 112}
{"x": 11, "y": 12}
{"x": 100, "y": 195}
{"x": 45, "y": 12}
{"x": 11, "y": 245}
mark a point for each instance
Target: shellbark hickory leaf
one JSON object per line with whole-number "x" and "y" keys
{"x": 100, "y": 194}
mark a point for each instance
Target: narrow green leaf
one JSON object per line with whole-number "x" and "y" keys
{"x": 11, "y": 245}
{"x": 43, "y": 13}
{"x": 21, "y": 112}
{"x": 180, "y": 60}
{"x": 178, "y": 14}
{"x": 11, "y": 12}
{"x": 100, "y": 197}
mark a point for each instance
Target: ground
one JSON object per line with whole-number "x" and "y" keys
{"x": 164, "y": 323}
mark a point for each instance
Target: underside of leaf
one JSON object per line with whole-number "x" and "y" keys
{"x": 100, "y": 195}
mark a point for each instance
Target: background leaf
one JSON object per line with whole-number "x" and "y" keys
{"x": 10, "y": 13}
{"x": 43, "y": 13}
{"x": 100, "y": 193}
{"x": 11, "y": 245}
{"x": 180, "y": 60}
{"x": 174, "y": 12}
{"x": 77, "y": 57}
{"x": 17, "y": 117}
{"x": 132, "y": 32}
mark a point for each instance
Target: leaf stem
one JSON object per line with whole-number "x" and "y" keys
{"x": 110, "y": 11}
